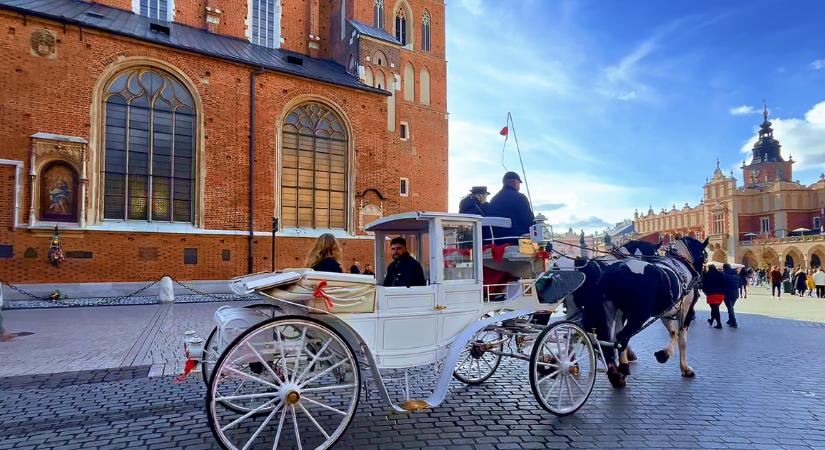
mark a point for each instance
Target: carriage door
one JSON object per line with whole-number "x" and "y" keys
{"x": 459, "y": 278}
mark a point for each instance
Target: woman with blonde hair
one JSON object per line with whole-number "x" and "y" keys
{"x": 325, "y": 254}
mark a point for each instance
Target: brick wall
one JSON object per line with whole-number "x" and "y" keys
{"x": 31, "y": 87}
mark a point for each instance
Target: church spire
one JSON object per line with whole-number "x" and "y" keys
{"x": 764, "y": 110}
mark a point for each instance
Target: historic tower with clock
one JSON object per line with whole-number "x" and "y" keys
{"x": 767, "y": 164}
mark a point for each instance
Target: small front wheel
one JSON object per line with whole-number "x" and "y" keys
{"x": 477, "y": 361}
{"x": 562, "y": 368}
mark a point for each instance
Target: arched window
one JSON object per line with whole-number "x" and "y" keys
{"x": 379, "y": 58}
{"x": 425, "y": 31}
{"x": 409, "y": 82}
{"x": 401, "y": 26}
{"x": 379, "y": 80}
{"x": 424, "y": 97}
{"x": 314, "y": 168}
{"x": 368, "y": 78}
{"x": 352, "y": 67}
{"x": 149, "y": 145}
{"x": 378, "y": 14}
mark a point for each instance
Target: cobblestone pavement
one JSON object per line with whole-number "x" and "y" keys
{"x": 72, "y": 339}
{"x": 759, "y": 386}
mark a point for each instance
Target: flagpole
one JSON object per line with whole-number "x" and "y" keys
{"x": 523, "y": 172}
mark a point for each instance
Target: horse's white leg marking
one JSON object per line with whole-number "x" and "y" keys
{"x": 683, "y": 313}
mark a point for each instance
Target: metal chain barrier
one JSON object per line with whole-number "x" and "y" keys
{"x": 114, "y": 300}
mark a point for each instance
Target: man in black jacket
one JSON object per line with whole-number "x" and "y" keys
{"x": 510, "y": 203}
{"x": 731, "y": 292}
{"x": 475, "y": 202}
{"x": 404, "y": 270}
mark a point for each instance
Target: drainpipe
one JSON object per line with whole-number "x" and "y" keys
{"x": 250, "y": 240}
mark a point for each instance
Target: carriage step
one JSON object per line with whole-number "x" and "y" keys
{"x": 415, "y": 405}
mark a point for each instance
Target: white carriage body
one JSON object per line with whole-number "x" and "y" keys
{"x": 412, "y": 326}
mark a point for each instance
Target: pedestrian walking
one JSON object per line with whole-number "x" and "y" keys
{"x": 800, "y": 284}
{"x": 743, "y": 282}
{"x": 776, "y": 278}
{"x": 819, "y": 281}
{"x": 731, "y": 293}
{"x": 810, "y": 283}
{"x": 713, "y": 285}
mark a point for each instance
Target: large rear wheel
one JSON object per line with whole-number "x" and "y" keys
{"x": 297, "y": 392}
{"x": 562, "y": 368}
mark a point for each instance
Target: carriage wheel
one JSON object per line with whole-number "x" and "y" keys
{"x": 294, "y": 396}
{"x": 476, "y": 363}
{"x": 562, "y": 368}
{"x": 211, "y": 351}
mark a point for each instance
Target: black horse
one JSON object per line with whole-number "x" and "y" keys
{"x": 622, "y": 292}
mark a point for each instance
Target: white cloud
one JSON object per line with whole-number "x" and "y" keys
{"x": 628, "y": 96}
{"x": 819, "y": 64}
{"x": 473, "y": 6}
{"x": 804, "y": 138}
{"x": 743, "y": 110}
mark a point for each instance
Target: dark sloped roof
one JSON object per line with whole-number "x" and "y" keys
{"x": 129, "y": 24}
{"x": 375, "y": 33}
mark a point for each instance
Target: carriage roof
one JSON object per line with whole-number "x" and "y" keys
{"x": 419, "y": 220}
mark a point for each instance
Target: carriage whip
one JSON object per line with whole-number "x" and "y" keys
{"x": 506, "y": 133}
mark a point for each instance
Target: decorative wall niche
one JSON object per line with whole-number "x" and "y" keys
{"x": 58, "y": 175}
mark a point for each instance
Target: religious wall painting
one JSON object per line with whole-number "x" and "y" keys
{"x": 58, "y": 193}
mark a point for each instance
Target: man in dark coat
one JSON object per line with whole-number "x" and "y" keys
{"x": 510, "y": 203}
{"x": 475, "y": 202}
{"x": 404, "y": 270}
{"x": 731, "y": 292}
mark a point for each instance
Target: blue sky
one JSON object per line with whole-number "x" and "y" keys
{"x": 620, "y": 105}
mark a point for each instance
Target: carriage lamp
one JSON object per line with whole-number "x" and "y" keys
{"x": 539, "y": 231}
{"x": 193, "y": 345}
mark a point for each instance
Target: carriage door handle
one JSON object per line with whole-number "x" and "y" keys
{"x": 440, "y": 307}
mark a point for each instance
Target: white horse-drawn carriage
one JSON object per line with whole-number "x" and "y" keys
{"x": 288, "y": 373}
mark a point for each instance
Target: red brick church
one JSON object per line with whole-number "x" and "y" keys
{"x": 164, "y": 136}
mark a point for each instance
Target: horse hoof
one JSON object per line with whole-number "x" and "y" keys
{"x": 688, "y": 373}
{"x": 631, "y": 356}
{"x": 624, "y": 369}
{"x": 617, "y": 380}
{"x": 661, "y": 356}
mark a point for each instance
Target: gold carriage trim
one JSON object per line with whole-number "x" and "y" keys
{"x": 415, "y": 405}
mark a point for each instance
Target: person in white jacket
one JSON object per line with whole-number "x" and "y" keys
{"x": 819, "y": 281}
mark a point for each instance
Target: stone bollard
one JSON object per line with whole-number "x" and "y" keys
{"x": 167, "y": 291}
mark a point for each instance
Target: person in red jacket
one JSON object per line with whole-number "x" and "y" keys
{"x": 713, "y": 285}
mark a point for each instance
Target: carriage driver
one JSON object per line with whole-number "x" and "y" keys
{"x": 511, "y": 203}
{"x": 475, "y": 202}
{"x": 404, "y": 270}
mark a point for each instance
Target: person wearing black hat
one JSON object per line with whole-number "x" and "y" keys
{"x": 475, "y": 202}
{"x": 510, "y": 203}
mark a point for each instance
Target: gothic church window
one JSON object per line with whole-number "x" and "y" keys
{"x": 378, "y": 14}
{"x": 401, "y": 26}
{"x": 155, "y": 9}
{"x": 314, "y": 162}
{"x": 149, "y": 145}
{"x": 265, "y": 22}
{"x": 425, "y": 31}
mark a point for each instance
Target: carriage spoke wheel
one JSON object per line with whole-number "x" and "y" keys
{"x": 476, "y": 363}
{"x": 211, "y": 348}
{"x": 562, "y": 368}
{"x": 295, "y": 393}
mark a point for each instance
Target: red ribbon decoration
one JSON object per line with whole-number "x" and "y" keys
{"x": 497, "y": 251}
{"x": 319, "y": 293}
{"x": 189, "y": 367}
{"x": 544, "y": 255}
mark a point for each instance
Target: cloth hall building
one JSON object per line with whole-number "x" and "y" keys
{"x": 164, "y": 136}
{"x": 770, "y": 219}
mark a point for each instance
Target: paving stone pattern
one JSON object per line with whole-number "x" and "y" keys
{"x": 758, "y": 387}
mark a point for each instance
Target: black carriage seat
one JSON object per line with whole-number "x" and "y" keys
{"x": 554, "y": 285}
